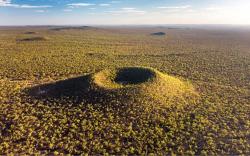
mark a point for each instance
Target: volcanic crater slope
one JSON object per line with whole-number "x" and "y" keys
{"x": 127, "y": 84}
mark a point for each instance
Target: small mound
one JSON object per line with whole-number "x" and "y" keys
{"x": 33, "y": 39}
{"x": 30, "y": 32}
{"x": 159, "y": 34}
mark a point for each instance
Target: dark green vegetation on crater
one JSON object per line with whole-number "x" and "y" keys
{"x": 72, "y": 94}
{"x": 133, "y": 75}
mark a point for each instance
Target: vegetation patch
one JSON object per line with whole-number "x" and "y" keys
{"x": 91, "y": 54}
{"x": 132, "y": 76}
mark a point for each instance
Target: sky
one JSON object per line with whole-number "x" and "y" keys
{"x": 123, "y": 12}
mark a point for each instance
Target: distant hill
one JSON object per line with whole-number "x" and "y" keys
{"x": 71, "y": 28}
{"x": 30, "y": 32}
{"x": 159, "y": 34}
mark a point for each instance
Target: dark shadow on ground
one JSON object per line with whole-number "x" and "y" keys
{"x": 73, "y": 88}
{"x": 78, "y": 90}
{"x": 69, "y": 87}
{"x": 29, "y": 39}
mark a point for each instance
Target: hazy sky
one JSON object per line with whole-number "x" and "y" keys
{"x": 110, "y": 12}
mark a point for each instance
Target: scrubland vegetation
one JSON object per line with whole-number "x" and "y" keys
{"x": 68, "y": 94}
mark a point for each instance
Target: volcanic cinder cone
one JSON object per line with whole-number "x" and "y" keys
{"x": 140, "y": 83}
{"x": 122, "y": 86}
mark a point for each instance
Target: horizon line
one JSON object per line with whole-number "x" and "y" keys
{"x": 25, "y": 25}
